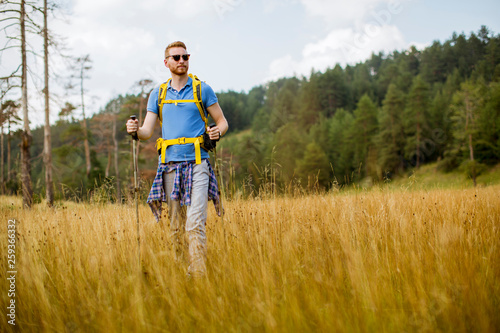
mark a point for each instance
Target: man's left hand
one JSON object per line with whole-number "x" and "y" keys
{"x": 214, "y": 133}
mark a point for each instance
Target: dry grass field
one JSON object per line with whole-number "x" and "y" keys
{"x": 363, "y": 261}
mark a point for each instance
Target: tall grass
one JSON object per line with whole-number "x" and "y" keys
{"x": 363, "y": 261}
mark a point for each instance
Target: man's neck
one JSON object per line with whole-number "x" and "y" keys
{"x": 179, "y": 81}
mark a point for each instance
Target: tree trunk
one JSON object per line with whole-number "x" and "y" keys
{"x": 471, "y": 149}
{"x": 85, "y": 134}
{"x": 419, "y": 128}
{"x": 115, "y": 141}
{"x": 2, "y": 164}
{"x": 47, "y": 145}
{"x": 468, "y": 115}
{"x": 8, "y": 151}
{"x": 418, "y": 145}
{"x": 108, "y": 166}
{"x": 26, "y": 134}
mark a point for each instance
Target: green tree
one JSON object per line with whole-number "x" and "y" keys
{"x": 319, "y": 133}
{"x": 233, "y": 105}
{"x": 417, "y": 121}
{"x": 255, "y": 101}
{"x": 331, "y": 90}
{"x": 310, "y": 107}
{"x": 390, "y": 138}
{"x": 466, "y": 106}
{"x": 361, "y": 82}
{"x": 433, "y": 66}
{"x": 282, "y": 100}
{"x": 490, "y": 125}
{"x": 314, "y": 168}
{"x": 441, "y": 133}
{"x": 287, "y": 148}
{"x": 363, "y": 131}
{"x": 388, "y": 73}
{"x": 341, "y": 150}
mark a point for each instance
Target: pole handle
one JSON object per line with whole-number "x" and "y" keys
{"x": 134, "y": 134}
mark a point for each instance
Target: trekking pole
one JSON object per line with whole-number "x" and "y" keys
{"x": 136, "y": 190}
{"x": 221, "y": 191}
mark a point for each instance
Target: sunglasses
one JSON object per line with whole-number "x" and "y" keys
{"x": 177, "y": 57}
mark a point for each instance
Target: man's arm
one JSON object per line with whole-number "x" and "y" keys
{"x": 147, "y": 128}
{"x": 221, "y": 125}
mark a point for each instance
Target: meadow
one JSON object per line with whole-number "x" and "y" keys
{"x": 379, "y": 260}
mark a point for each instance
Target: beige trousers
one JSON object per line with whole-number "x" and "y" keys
{"x": 190, "y": 220}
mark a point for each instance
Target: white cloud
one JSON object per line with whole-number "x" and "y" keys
{"x": 95, "y": 7}
{"x": 187, "y": 9}
{"x": 354, "y": 12}
{"x": 342, "y": 46}
{"x": 354, "y": 30}
{"x": 339, "y": 13}
{"x": 274, "y": 5}
{"x": 155, "y": 10}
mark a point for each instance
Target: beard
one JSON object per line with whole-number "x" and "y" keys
{"x": 177, "y": 70}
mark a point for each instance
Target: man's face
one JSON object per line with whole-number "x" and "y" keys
{"x": 179, "y": 67}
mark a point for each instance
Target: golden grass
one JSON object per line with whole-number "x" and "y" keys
{"x": 384, "y": 261}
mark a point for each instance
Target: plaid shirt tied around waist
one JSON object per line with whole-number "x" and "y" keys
{"x": 181, "y": 190}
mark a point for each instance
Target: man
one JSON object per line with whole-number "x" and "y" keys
{"x": 185, "y": 178}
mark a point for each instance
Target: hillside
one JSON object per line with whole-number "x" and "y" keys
{"x": 375, "y": 121}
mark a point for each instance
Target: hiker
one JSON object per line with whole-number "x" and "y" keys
{"x": 185, "y": 178}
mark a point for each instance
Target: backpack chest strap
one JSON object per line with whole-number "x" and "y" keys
{"x": 177, "y": 101}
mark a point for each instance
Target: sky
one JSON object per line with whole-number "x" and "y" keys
{"x": 239, "y": 44}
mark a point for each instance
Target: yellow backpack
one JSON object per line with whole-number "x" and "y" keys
{"x": 161, "y": 144}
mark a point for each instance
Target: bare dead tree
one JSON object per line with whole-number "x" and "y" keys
{"x": 47, "y": 142}
{"x": 7, "y": 111}
{"x": 67, "y": 111}
{"x": 26, "y": 135}
{"x": 145, "y": 85}
{"x": 116, "y": 109}
{"x": 84, "y": 64}
{"x": 17, "y": 23}
{"x": 11, "y": 109}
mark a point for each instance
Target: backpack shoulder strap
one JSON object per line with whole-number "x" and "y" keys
{"x": 161, "y": 98}
{"x": 198, "y": 98}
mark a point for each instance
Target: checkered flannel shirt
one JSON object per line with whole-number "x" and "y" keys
{"x": 181, "y": 191}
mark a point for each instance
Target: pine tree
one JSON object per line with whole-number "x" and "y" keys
{"x": 287, "y": 148}
{"x": 314, "y": 168}
{"x": 390, "y": 138}
{"x": 416, "y": 121}
{"x": 331, "y": 90}
{"x": 490, "y": 125}
{"x": 310, "y": 108}
{"x": 441, "y": 133}
{"x": 363, "y": 132}
{"x": 341, "y": 150}
{"x": 466, "y": 106}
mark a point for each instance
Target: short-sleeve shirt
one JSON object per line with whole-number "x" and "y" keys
{"x": 183, "y": 119}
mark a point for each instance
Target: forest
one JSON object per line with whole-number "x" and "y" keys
{"x": 359, "y": 124}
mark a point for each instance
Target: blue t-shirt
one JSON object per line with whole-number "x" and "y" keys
{"x": 183, "y": 119}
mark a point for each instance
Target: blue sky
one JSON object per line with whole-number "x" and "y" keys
{"x": 238, "y": 44}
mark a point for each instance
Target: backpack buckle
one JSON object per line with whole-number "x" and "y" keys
{"x": 181, "y": 141}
